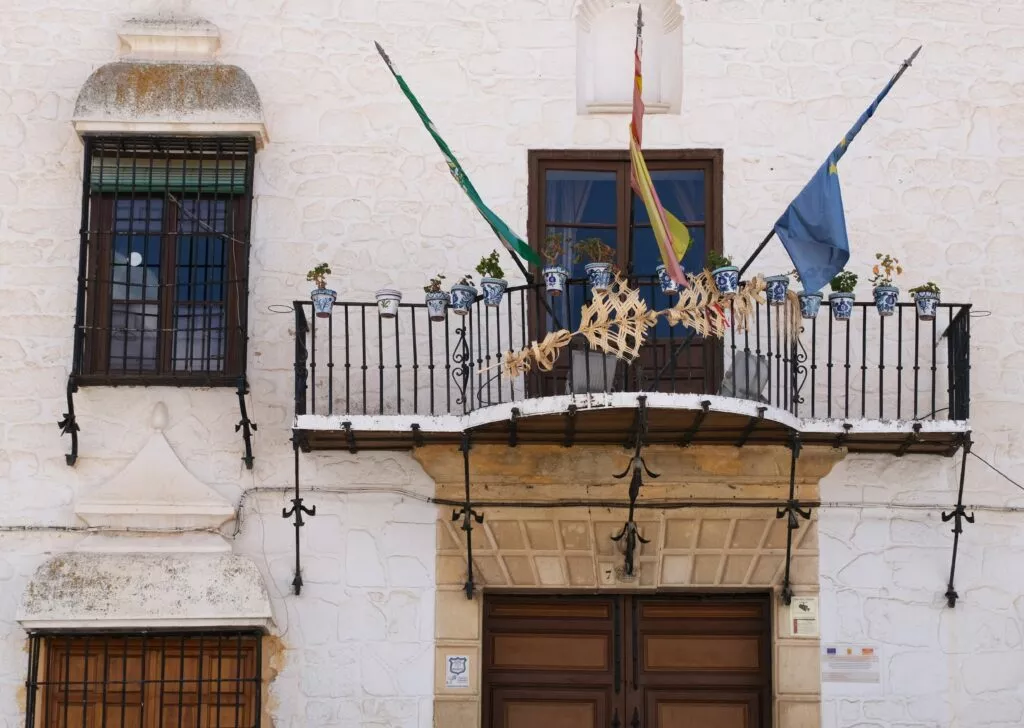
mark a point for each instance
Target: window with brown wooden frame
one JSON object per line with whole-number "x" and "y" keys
{"x": 165, "y": 230}
{"x": 107, "y": 680}
{"x": 576, "y": 195}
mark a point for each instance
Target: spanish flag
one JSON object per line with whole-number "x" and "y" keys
{"x": 672, "y": 236}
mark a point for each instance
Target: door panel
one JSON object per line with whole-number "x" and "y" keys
{"x": 706, "y": 709}
{"x": 538, "y": 707}
{"x": 673, "y": 661}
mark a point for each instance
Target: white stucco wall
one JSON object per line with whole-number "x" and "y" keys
{"x": 351, "y": 177}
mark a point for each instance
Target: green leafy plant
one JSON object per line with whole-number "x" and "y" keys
{"x": 885, "y": 270}
{"x": 595, "y": 250}
{"x": 435, "y": 284}
{"x": 844, "y": 282}
{"x": 488, "y": 266}
{"x": 929, "y": 287}
{"x": 318, "y": 276}
{"x": 553, "y": 247}
{"x": 716, "y": 260}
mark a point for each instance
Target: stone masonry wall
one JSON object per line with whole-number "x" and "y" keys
{"x": 351, "y": 177}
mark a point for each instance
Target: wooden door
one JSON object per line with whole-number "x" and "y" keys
{"x": 622, "y": 661}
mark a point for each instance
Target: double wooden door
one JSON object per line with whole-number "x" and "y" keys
{"x": 625, "y": 661}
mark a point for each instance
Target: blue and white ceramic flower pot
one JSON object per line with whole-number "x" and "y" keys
{"x": 555, "y": 277}
{"x": 599, "y": 276}
{"x": 927, "y": 303}
{"x": 727, "y": 279}
{"x": 462, "y": 297}
{"x": 437, "y": 302}
{"x": 776, "y": 288}
{"x": 885, "y": 299}
{"x": 323, "y": 301}
{"x": 809, "y": 304}
{"x": 494, "y": 289}
{"x": 387, "y": 302}
{"x": 841, "y": 304}
{"x": 668, "y": 286}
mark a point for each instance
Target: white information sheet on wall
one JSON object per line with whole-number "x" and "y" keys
{"x": 856, "y": 668}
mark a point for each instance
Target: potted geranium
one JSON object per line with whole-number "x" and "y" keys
{"x": 601, "y": 256}
{"x": 776, "y": 288}
{"x": 492, "y": 279}
{"x": 926, "y": 297}
{"x": 726, "y": 275}
{"x": 554, "y": 274}
{"x": 437, "y": 300}
{"x": 462, "y": 295}
{"x": 387, "y": 302}
{"x": 841, "y": 298}
{"x": 322, "y": 296}
{"x": 884, "y": 291}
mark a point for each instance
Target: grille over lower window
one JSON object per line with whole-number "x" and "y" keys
{"x": 199, "y": 680}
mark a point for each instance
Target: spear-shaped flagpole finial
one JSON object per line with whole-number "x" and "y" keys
{"x": 639, "y": 18}
{"x": 382, "y": 53}
{"x": 913, "y": 56}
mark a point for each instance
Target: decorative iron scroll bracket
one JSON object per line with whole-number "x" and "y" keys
{"x": 958, "y": 515}
{"x": 630, "y": 533}
{"x": 69, "y": 425}
{"x": 297, "y": 510}
{"x": 246, "y": 425}
{"x": 792, "y": 512}
{"x": 463, "y": 356}
{"x": 468, "y": 515}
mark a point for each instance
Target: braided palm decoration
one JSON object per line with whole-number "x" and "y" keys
{"x": 616, "y": 321}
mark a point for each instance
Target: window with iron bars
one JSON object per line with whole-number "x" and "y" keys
{"x": 158, "y": 680}
{"x": 164, "y": 269}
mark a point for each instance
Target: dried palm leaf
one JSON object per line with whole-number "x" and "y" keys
{"x": 616, "y": 321}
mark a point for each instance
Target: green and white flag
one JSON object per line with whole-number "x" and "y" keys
{"x": 511, "y": 241}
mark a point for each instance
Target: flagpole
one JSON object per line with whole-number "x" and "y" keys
{"x": 896, "y": 77}
{"x": 632, "y": 193}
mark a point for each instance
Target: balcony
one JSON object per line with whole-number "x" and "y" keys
{"x": 871, "y": 384}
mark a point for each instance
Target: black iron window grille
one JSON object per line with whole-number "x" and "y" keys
{"x": 164, "y": 260}
{"x": 108, "y": 680}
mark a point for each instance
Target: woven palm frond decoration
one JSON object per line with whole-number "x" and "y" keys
{"x": 700, "y": 307}
{"x": 744, "y": 304}
{"x": 616, "y": 321}
{"x": 544, "y": 354}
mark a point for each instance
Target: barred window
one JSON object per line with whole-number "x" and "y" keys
{"x": 198, "y": 680}
{"x": 165, "y": 260}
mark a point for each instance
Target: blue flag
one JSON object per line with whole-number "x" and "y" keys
{"x": 813, "y": 227}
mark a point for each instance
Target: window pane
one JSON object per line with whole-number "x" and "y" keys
{"x": 581, "y": 196}
{"x": 135, "y": 284}
{"x": 201, "y": 269}
{"x": 568, "y": 306}
{"x": 681, "y": 191}
{"x": 647, "y": 254}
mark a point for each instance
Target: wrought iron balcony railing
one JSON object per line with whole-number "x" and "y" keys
{"x": 870, "y": 367}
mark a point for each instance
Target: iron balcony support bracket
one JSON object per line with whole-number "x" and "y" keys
{"x": 468, "y": 515}
{"x": 630, "y": 533}
{"x": 705, "y": 407}
{"x": 297, "y": 510}
{"x": 570, "y": 426}
{"x": 790, "y": 512}
{"x": 843, "y": 436}
{"x": 245, "y": 424}
{"x": 912, "y": 438}
{"x": 754, "y": 422}
{"x": 417, "y": 435}
{"x": 350, "y": 436}
{"x": 513, "y": 427}
{"x": 958, "y": 515}
{"x": 69, "y": 425}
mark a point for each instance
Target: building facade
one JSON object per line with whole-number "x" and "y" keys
{"x": 169, "y": 171}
